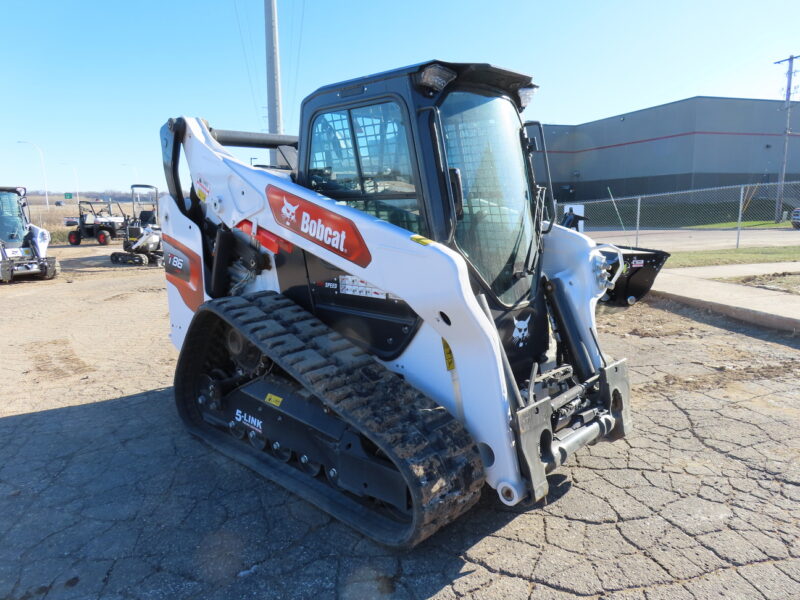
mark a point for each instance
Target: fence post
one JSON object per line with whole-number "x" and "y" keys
{"x": 638, "y": 214}
{"x": 739, "y": 220}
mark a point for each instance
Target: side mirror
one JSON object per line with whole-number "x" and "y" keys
{"x": 458, "y": 192}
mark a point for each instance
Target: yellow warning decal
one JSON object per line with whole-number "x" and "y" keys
{"x": 449, "y": 361}
{"x": 273, "y": 399}
{"x": 202, "y": 189}
{"x": 422, "y": 240}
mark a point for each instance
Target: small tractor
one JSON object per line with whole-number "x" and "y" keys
{"x": 98, "y": 219}
{"x": 142, "y": 243}
{"x": 23, "y": 246}
{"x": 387, "y": 320}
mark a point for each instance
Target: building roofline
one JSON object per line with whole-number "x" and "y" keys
{"x": 633, "y": 112}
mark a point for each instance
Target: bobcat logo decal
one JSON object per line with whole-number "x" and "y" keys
{"x": 319, "y": 225}
{"x": 520, "y": 336}
{"x": 288, "y": 212}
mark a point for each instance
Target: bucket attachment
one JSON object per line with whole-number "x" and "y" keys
{"x": 639, "y": 270}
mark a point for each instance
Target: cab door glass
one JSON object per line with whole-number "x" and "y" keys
{"x": 375, "y": 174}
{"x": 332, "y": 168}
{"x": 383, "y": 150}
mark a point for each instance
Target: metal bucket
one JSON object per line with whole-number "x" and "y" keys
{"x": 639, "y": 270}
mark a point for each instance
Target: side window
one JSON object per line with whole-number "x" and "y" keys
{"x": 375, "y": 174}
{"x": 383, "y": 149}
{"x": 332, "y": 169}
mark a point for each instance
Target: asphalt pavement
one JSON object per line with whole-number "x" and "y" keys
{"x": 103, "y": 493}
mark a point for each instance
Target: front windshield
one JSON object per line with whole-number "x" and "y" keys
{"x": 12, "y": 227}
{"x": 482, "y": 140}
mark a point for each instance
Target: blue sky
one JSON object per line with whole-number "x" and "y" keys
{"x": 92, "y": 81}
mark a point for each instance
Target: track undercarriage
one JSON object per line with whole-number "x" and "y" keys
{"x": 270, "y": 385}
{"x": 132, "y": 258}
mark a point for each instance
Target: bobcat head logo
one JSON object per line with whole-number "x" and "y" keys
{"x": 288, "y": 212}
{"x": 520, "y": 336}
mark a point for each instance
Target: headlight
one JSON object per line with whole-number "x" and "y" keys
{"x": 526, "y": 95}
{"x": 44, "y": 236}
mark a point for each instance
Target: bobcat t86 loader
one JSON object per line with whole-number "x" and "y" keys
{"x": 388, "y": 319}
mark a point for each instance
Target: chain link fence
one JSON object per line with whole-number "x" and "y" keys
{"x": 732, "y": 209}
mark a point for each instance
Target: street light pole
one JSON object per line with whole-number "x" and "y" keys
{"x": 44, "y": 171}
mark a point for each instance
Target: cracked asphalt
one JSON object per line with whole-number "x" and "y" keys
{"x": 104, "y": 495}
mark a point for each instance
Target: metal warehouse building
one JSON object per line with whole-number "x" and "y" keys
{"x": 689, "y": 144}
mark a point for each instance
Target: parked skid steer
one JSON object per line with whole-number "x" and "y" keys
{"x": 142, "y": 243}
{"x": 23, "y": 245}
{"x": 387, "y": 319}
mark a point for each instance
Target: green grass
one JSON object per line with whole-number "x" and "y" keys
{"x": 660, "y": 212}
{"x": 59, "y": 235}
{"x": 705, "y": 258}
{"x": 745, "y": 224}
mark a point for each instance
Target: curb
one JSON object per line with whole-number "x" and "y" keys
{"x": 753, "y": 317}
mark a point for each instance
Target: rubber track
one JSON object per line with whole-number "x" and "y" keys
{"x": 434, "y": 452}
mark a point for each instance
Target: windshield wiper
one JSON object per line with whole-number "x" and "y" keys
{"x": 528, "y": 266}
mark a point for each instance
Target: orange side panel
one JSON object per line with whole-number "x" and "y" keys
{"x": 183, "y": 267}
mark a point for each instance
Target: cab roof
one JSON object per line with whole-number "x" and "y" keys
{"x": 474, "y": 73}
{"x": 19, "y": 191}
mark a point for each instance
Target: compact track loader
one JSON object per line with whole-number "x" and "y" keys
{"x": 142, "y": 243}
{"x": 388, "y": 319}
{"x": 23, "y": 245}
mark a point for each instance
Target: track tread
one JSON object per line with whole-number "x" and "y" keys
{"x": 432, "y": 450}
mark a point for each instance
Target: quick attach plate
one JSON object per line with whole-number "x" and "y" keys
{"x": 535, "y": 431}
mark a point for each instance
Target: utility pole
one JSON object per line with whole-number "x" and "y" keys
{"x": 275, "y": 121}
{"x": 786, "y": 133}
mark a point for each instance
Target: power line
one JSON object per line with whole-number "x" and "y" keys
{"x": 259, "y": 83}
{"x": 246, "y": 60}
{"x": 297, "y": 53}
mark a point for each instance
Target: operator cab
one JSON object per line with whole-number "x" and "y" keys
{"x": 13, "y": 219}
{"x": 438, "y": 149}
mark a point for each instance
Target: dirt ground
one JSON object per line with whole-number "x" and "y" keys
{"x": 779, "y": 282}
{"x": 104, "y": 495}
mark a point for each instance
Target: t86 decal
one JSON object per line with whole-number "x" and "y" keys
{"x": 183, "y": 268}
{"x": 319, "y": 225}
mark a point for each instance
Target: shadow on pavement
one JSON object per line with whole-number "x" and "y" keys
{"x": 115, "y": 498}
